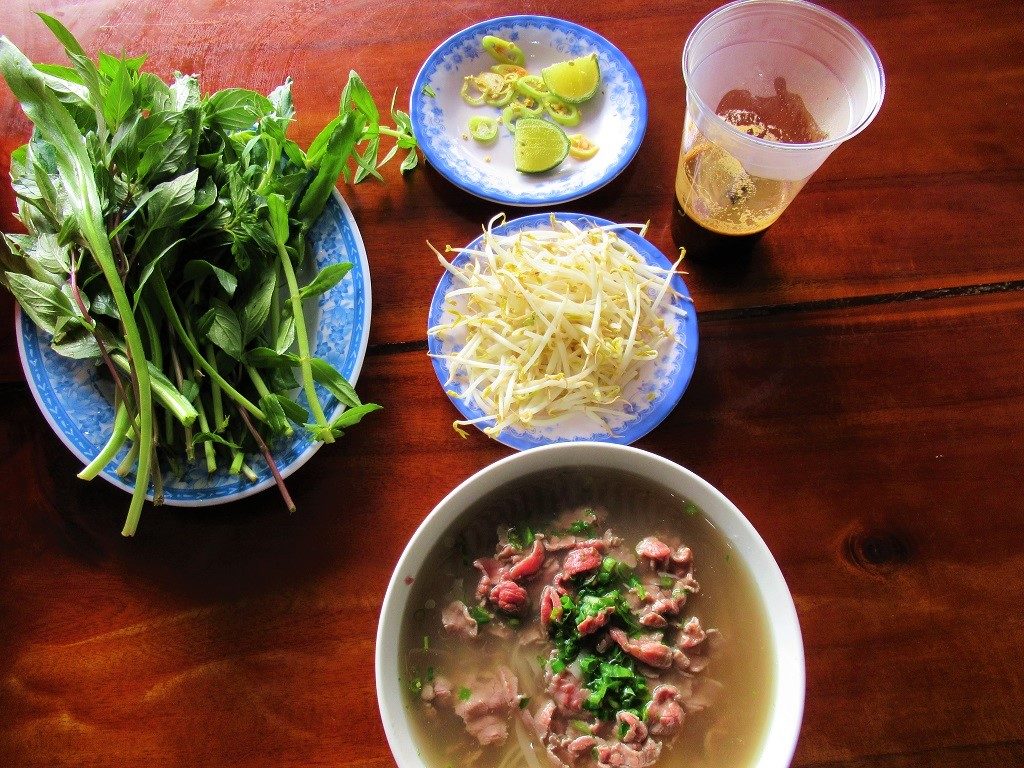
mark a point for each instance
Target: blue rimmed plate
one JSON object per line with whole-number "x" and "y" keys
{"x": 615, "y": 119}
{"x": 648, "y": 399}
{"x": 77, "y": 403}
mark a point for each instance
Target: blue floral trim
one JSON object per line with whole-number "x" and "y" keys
{"x": 663, "y": 382}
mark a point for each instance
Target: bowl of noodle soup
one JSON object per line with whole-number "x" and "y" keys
{"x": 588, "y": 605}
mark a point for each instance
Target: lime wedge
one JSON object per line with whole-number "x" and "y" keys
{"x": 539, "y": 145}
{"x": 575, "y": 80}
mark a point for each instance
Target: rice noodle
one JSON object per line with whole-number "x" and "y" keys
{"x": 556, "y": 322}
{"x": 526, "y": 746}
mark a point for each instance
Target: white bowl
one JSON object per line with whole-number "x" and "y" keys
{"x": 786, "y": 708}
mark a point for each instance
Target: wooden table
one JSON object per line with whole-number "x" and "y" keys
{"x": 859, "y": 394}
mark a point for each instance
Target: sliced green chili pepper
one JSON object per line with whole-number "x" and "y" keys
{"x": 483, "y": 129}
{"x": 509, "y": 72}
{"x": 582, "y": 148}
{"x": 471, "y": 92}
{"x": 561, "y": 112}
{"x": 503, "y": 51}
{"x": 533, "y": 86}
{"x": 502, "y": 97}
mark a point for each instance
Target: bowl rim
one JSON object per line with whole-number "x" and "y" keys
{"x": 783, "y": 729}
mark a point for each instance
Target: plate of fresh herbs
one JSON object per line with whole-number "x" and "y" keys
{"x": 194, "y": 293}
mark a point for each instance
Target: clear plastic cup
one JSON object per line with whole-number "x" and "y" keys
{"x": 772, "y": 88}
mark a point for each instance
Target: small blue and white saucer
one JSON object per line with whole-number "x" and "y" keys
{"x": 649, "y": 399}
{"x": 615, "y": 119}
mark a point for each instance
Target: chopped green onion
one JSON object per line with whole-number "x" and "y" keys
{"x": 428, "y": 91}
{"x": 479, "y": 615}
{"x": 464, "y": 693}
{"x": 582, "y": 528}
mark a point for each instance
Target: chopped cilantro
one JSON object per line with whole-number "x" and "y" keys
{"x": 610, "y": 677}
{"x": 430, "y": 674}
{"x": 637, "y": 586}
{"x": 464, "y": 693}
{"x": 523, "y": 701}
{"x": 479, "y": 615}
{"x": 667, "y": 582}
{"x": 416, "y": 685}
{"x": 521, "y": 538}
{"x": 582, "y": 528}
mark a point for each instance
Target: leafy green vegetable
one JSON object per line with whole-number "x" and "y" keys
{"x": 610, "y": 675}
{"x": 165, "y": 232}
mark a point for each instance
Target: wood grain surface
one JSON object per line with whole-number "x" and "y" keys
{"x": 858, "y": 394}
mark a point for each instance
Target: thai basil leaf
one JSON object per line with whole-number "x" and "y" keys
{"x": 120, "y": 95}
{"x": 276, "y": 418}
{"x": 327, "y": 278}
{"x": 285, "y": 335}
{"x": 235, "y": 109}
{"x": 256, "y": 309}
{"x": 352, "y": 416}
{"x": 45, "y": 303}
{"x": 199, "y": 269}
{"x": 171, "y": 200}
{"x": 336, "y": 384}
{"x": 220, "y": 325}
{"x": 339, "y": 148}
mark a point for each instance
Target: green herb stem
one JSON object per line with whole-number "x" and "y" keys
{"x": 113, "y": 445}
{"x": 164, "y": 296}
{"x": 126, "y": 463}
{"x": 190, "y": 452}
{"x": 165, "y": 393}
{"x": 208, "y": 449}
{"x": 218, "y": 403}
{"x": 302, "y": 339}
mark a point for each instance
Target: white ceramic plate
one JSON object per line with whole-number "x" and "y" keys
{"x": 615, "y": 119}
{"x": 648, "y": 400}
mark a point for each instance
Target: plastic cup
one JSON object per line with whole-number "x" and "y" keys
{"x": 772, "y": 88}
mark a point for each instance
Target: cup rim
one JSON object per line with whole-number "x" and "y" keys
{"x": 828, "y": 143}
{"x": 786, "y": 715}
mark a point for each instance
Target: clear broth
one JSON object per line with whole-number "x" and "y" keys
{"x": 728, "y": 734}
